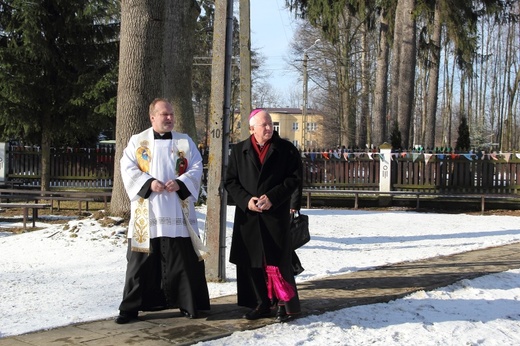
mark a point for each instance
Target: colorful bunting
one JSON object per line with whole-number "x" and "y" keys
{"x": 414, "y": 156}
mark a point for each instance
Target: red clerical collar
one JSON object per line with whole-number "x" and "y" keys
{"x": 260, "y": 150}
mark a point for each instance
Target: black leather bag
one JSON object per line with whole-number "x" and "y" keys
{"x": 299, "y": 230}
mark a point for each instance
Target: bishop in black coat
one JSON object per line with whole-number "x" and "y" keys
{"x": 265, "y": 184}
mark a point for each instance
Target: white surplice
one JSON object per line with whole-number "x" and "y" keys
{"x": 165, "y": 218}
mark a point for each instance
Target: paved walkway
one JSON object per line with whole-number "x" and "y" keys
{"x": 382, "y": 284}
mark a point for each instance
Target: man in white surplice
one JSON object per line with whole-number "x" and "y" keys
{"x": 161, "y": 171}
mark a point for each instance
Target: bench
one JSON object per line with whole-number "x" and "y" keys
{"x": 356, "y": 193}
{"x": 14, "y": 196}
{"x": 37, "y": 195}
{"x": 60, "y": 198}
{"x": 26, "y": 207}
{"x": 417, "y": 195}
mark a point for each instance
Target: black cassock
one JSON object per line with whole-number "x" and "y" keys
{"x": 170, "y": 276}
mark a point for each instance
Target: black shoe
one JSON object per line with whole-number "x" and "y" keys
{"x": 125, "y": 317}
{"x": 283, "y": 318}
{"x": 257, "y": 313}
{"x": 281, "y": 315}
{"x": 186, "y": 314}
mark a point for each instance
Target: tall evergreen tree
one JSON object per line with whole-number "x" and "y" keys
{"x": 463, "y": 140}
{"x": 58, "y": 62}
{"x": 395, "y": 136}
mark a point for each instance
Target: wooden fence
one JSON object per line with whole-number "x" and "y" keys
{"x": 359, "y": 174}
{"x": 460, "y": 173}
{"x": 70, "y": 167}
{"x": 440, "y": 173}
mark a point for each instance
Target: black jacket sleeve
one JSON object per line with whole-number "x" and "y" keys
{"x": 183, "y": 191}
{"x": 146, "y": 190}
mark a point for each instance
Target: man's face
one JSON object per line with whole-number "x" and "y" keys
{"x": 263, "y": 128}
{"x": 162, "y": 117}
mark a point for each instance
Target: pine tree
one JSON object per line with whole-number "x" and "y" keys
{"x": 58, "y": 70}
{"x": 58, "y": 67}
{"x": 395, "y": 137}
{"x": 463, "y": 140}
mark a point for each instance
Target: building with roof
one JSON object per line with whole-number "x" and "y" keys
{"x": 289, "y": 123}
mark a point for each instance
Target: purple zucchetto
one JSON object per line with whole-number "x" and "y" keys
{"x": 254, "y": 111}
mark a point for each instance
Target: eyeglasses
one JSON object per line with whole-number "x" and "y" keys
{"x": 265, "y": 125}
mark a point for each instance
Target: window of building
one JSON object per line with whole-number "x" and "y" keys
{"x": 312, "y": 126}
{"x": 295, "y": 126}
{"x": 276, "y": 126}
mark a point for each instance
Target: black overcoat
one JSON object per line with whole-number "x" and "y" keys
{"x": 280, "y": 179}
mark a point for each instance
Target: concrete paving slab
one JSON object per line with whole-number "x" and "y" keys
{"x": 379, "y": 285}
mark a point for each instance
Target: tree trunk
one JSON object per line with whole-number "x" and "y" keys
{"x": 180, "y": 19}
{"x": 422, "y": 103}
{"x": 46, "y": 151}
{"x": 433, "y": 86}
{"x": 407, "y": 60}
{"x": 365, "y": 123}
{"x": 395, "y": 65}
{"x": 139, "y": 81}
{"x": 348, "y": 118}
{"x": 348, "y": 127}
{"x": 510, "y": 89}
{"x": 380, "y": 129}
{"x": 483, "y": 87}
{"x": 450, "y": 92}
{"x": 245, "y": 67}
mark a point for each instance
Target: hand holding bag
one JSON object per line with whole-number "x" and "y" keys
{"x": 299, "y": 230}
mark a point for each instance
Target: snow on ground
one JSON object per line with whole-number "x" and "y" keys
{"x": 71, "y": 273}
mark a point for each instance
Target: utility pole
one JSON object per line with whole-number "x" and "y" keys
{"x": 305, "y": 105}
{"x": 245, "y": 67}
{"x": 219, "y": 140}
{"x": 305, "y": 101}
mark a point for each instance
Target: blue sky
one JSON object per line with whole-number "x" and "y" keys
{"x": 272, "y": 29}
